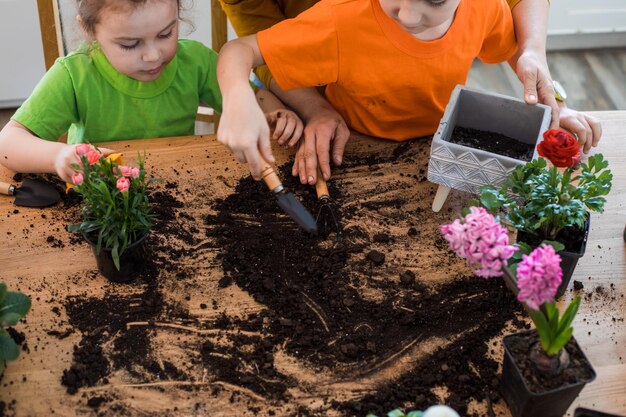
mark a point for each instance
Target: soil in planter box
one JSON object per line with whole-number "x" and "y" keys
{"x": 492, "y": 142}
{"x": 579, "y": 369}
{"x": 382, "y": 316}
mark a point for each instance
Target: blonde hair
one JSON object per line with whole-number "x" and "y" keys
{"x": 90, "y": 11}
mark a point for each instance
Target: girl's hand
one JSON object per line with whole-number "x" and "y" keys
{"x": 587, "y": 129}
{"x": 288, "y": 127}
{"x": 69, "y": 155}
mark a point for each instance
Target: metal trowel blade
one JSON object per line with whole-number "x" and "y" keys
{"x": 294, "y": 208}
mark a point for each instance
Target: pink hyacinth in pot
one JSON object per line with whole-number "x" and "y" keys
{"x": 534, "y": 276}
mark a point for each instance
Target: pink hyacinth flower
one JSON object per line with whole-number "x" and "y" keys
{"x": 135, "y": 172}
{"x": 539, "y": 276}
{"x": 77, "y": 178}
{"x": 126, "y": 171}
{"x": 481, "y": 240}
{"x": 82, "y": 149}
{"x": 123, "y": 184}
{"x": 93, "y": 156}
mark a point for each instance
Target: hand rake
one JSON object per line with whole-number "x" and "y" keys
{"x": 326, "y": 219}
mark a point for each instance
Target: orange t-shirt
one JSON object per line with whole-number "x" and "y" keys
{"x": 381, "y": 79}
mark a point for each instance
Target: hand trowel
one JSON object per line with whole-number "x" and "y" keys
{"x": 31, "y": 193}
{"x": 287, "y": 201}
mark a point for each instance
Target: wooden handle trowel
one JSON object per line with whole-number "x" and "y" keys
{"x": 31, "y": 193}
{"x": 287, "y": 201}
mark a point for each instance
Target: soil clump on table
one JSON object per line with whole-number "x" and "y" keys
{"x": 492, "y": 142}
{"x": 380, "y": 316}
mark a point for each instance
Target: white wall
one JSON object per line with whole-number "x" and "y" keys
{"x": 587, "y": 24}
{"x": 21, "y": 54}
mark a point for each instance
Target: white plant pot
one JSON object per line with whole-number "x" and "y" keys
{"x": 467, "y": 169}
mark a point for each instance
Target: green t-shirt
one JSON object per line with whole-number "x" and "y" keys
{"x": 83, "y": 94}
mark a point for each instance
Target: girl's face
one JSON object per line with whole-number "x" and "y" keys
{"x": 425, "y": 19}
{"x": 139, "y": 42}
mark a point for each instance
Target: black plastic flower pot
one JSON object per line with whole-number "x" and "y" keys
{"x": 584, "y": 412}
{"x": 132, "y": 260}
{"x": 569, "y": 259}
{"x": 522, "y": 401}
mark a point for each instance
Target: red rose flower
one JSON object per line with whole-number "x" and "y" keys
{"x": 559, "y": 147}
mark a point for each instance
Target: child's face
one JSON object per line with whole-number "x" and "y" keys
{"x": 425, "y": 19}
{"x": 141, "y": 41}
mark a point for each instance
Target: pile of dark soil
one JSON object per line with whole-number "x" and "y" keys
{"x": 492, "y": 142}
{"x": 361, "y": 308}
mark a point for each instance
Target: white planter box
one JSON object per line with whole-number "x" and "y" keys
{"x": 467, "y": 169}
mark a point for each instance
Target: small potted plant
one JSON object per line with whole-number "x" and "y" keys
{"x": 481, "y": 138}
{"x": 544, "y": 369}
{"x": 116, "y": 212}
{"x": 547, "y": 204}
{"x": 13, "y": 307}
{"x": 434, "y": 411}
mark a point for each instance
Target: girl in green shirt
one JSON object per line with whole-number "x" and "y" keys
{"x": 135, "y": 80}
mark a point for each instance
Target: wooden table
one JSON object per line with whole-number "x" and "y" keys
{"x": 38, "y": 266}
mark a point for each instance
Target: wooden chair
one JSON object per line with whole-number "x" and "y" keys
{"x": 55, "y": 43}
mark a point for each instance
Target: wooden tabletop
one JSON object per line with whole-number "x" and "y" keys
{"x": 41, "y": 259}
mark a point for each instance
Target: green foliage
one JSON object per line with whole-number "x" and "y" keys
{"x": 542, "y": 201}
{"x": 554, "y": 331}
{"x": 13, "y": 307}
{"x": 117, "y": 218}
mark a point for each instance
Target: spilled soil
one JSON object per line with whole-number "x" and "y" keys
{"x": 377, "y": 317}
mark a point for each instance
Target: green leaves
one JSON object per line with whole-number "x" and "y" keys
{"x": 554, "y": 331}
{"x": 542, "y": 201}
{"x": 13, "y": 306}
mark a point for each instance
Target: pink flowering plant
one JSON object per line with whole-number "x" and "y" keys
{"x": 116, "y": 211}
{"x": 533, "y": 275}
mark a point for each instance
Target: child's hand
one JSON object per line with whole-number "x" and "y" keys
{"x": 586, "y": 128}
{"x": 324, "y": 127}
{"x": 69, "y": 155}
{"x": 287, "y": 126}
{"x": 244, "y": 130}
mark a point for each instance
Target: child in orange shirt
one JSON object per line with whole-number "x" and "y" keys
{"x": 389, "y": 66}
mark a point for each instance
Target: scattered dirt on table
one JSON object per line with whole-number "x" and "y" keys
{"x": 492, "y": 142}
{"x": 379, "y": 317}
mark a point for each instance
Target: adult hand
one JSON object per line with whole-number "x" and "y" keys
{"x": 587, "y": 129}
{"x": 287, "y": 126}
{"x": 532, "y": 70}
{"x": 249, "y": 141}
{"x": 324, "y": 127}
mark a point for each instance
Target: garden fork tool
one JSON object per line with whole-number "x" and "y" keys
{"x": 287, "y": 201}
{"x": 326, "y": 218}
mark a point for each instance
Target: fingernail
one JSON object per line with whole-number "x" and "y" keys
{"x": 310, "y": 179}
{"x": 338, "y": 160}
{"x": 532, "y": 97}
